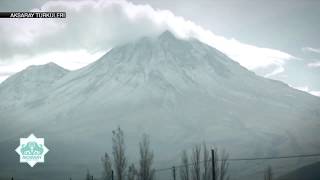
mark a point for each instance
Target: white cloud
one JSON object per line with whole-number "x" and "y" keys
{"x": 98, "y": 25}
{"x": 308, "y": 90}
{"x": 276, "y": 71}
{"x": 310, "y": 49}
{"x": 316, "y": 93}
{"x": 314, "y": 64}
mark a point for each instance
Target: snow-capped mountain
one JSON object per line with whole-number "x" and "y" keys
{"x": 180, "y": 92}
{"x": 29, "y": 84}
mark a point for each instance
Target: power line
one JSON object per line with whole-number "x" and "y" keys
{"x": 247, "y": 159}
{"x": 279, "y": 157}
{"x": 239, "y": 159}
{"x": 242, "y": 159}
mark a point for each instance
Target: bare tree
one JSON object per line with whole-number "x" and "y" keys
{"x": 268, "y": 174}
{"x": 184, "y": 169}
{"x": 88, "y": 175}
{"x": 118, "y": 148}
{"x": 206, "y": 163}
{"x": 146, "y": 159}
{"x": 132, "y": 172}
{"x": 195, "y": 158}
{"x": 223, "y": 166}
{"x": 107, "y": 167}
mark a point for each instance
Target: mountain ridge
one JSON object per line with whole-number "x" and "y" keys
{"x": 184, "y": 88}
{"x": 30, "y": 82}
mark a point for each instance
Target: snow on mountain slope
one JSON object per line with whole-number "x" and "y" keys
{"x": 30, "y": 83}
{"x": 180, "y": 92}
{"x": 23, "y": 89}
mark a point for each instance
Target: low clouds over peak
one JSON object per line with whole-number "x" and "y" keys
{"x": 96, "y": 26}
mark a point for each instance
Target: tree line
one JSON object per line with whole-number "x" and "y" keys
{"x": 117, "y": 168}
{"x": 196, "y": 166}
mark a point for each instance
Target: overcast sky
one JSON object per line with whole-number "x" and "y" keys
{"x": 275, "y": 39}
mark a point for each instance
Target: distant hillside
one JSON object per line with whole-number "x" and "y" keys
{"x": 309, "y": 172}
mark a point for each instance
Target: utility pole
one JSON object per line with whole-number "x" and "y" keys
{"x": 174, "y": 172}
{"x": 112, "y": 175}
{"x": 213, "y": 165}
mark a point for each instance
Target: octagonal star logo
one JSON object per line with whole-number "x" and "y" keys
{"x": 32, "y": 150}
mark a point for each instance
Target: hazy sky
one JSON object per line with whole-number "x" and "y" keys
{"x": 276, "y": 39}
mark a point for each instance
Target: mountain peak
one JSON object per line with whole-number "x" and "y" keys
{"x": 30, "y": 83}
{"x": 167, "y": 35}
{"x": 187, "y": 88}
{"x": 50, "y": 65}
{"x": 149, "y": 55}
{"x": 37, "y": 73}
